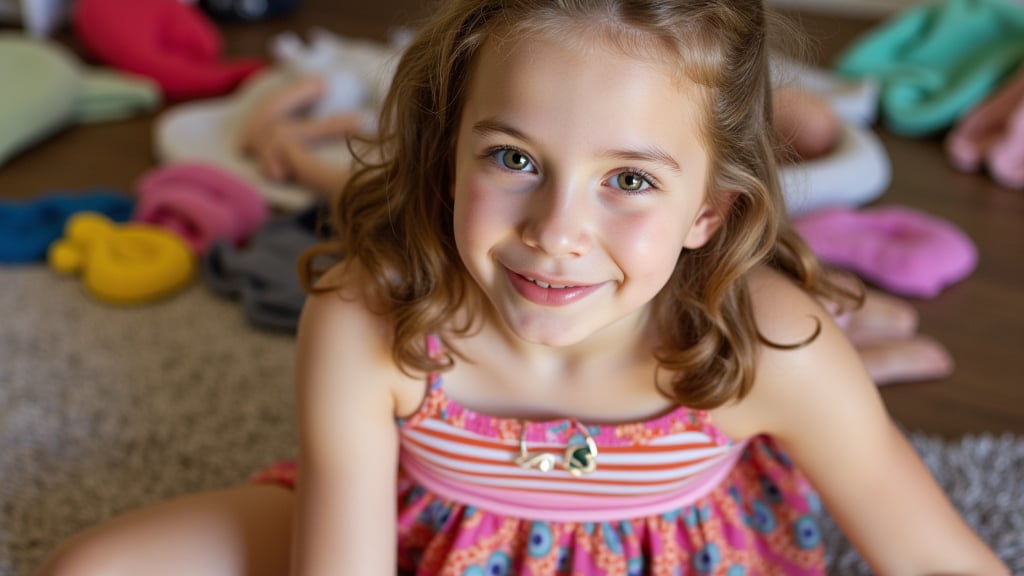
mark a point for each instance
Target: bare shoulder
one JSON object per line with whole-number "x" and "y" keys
{"x": 816, "y": 400}
{"x": 805, "y": 367}
{"x": 344, "y": 345}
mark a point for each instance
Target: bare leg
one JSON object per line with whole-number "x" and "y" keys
{"x": 243, "y": 531}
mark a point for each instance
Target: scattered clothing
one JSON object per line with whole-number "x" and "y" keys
{"x": 992, "y": 136}
{"x": 938, "y": 61}
{"x": 899, "y": 249}
{"x": 201, "y": 203}
{"x": 169, "y": 41}
{"x": 263, "y": 275}
{"x": 51, "y": 89}
{"x": 28, "y": 228}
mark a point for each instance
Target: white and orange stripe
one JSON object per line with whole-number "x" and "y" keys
{"x": 663, "y": 475}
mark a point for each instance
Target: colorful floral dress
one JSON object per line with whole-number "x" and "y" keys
{"x": 668, "y": 496}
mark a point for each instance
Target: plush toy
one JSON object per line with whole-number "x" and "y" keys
{"x": 46, "y": 88}
{"x": 122, "y": 263}
{"x": 200, "y": 203}
{"x": 326, "y": 77}
{"x": 171, "y": 42}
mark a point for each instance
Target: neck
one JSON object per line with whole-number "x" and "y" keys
{"x": 629, "y": 341}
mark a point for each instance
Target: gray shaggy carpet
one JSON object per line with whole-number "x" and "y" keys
{"x": 104, "y": 409}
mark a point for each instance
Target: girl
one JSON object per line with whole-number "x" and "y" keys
{"x": 572, "y": 333}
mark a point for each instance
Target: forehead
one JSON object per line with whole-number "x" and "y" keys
{"x": 550, "y": 81}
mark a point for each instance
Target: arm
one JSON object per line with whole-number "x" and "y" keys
{"x": 820, "y": 405}
{"x": 345, "y": 501}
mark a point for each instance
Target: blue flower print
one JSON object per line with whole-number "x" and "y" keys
{"x": 763, "y": 519}
{"x": 635, "y": 566}
{"x": 694, "y": 514}
{"x": 704, "y": 513}
{"x": 541, "y": 540}
{"x": 734, "y": 493}
{"x": 435, "y": 515}
{"x": 814, "y": 502}
{"x": 670, "y": 516}
{"x": 611, "y": 538}
{"x": 626, "y": 528}
{"x": 564, "y": 559}
{"x": 771, "y": 491}
{"x": 737, "y": 570}
{"x": 706, "y": 559}
{"x": 474, "y": 571}
{"x": 690, "y": 516}
{"x": 413, "y": 495}
{"x": 806, "y": 532}
{"x": 556, "y": 429}
{"x": 498, "y": 564}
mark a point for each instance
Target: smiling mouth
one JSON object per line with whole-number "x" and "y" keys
{"x": 548, "y": 294}
{"x": 546, "y": 285}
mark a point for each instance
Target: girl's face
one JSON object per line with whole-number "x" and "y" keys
{"x": 580, "y": 177}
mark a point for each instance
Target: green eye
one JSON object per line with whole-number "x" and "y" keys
{"x": 631, "y": 182}
{"x": 513, "y": 159}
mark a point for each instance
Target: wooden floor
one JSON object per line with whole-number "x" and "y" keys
{"x": 981, "y": 319}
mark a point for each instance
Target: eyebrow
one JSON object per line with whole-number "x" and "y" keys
{"x": 651, "y": 154}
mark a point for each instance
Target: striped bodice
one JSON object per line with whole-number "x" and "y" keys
{"x": 643, "y": 468}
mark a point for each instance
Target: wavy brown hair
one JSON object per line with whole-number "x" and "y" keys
{"x": 394, "y": 217}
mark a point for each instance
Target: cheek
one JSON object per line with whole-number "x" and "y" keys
{"x": 648, "y": 246}
{"x": 650, "y": 243}
{"x": 479, "y": 212}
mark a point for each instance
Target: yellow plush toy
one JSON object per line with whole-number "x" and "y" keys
{"x": 129, "y": 263}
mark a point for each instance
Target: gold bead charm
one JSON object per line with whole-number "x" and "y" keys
{"x": 578, "y": 459}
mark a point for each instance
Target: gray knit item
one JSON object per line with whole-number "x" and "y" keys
{"x": 103, "y": 409}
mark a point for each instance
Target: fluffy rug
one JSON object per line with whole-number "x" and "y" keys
{"x": 104, "y": 409}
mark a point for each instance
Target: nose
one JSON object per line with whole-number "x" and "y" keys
{"x": 557, "y": 221}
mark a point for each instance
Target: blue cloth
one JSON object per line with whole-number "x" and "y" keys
{"x": 27, "y": 228}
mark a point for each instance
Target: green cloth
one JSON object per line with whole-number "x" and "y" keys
{"x": 39, "y": 92}
{"x": 46, "y": 88}
{"x": 108, "y": 95}
{"x": 936, "y": 62}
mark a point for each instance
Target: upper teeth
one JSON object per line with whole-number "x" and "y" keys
{"x": 544, "y": 284}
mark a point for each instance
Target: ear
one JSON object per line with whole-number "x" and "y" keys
{"x": 708, "y": 221}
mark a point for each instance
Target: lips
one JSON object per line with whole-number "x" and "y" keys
{"x": 549, "y": 294}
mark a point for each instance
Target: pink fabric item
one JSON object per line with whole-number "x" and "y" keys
{"x": 167, "y": 40}
{"x": 897, "y": 248}
{"x": 992, "y": 136}
{"x": 200, "y": 203}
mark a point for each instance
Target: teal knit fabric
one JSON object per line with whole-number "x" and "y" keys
{"x": 936, "y": 62}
